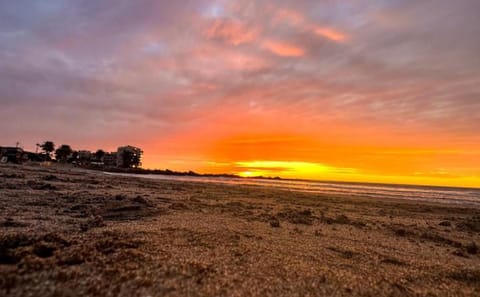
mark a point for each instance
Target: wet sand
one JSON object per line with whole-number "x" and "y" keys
{"x": 69, "y": 232}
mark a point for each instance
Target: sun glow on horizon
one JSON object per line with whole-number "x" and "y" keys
{"x": 317, "y": 171}
{"x": 288, "y": 169}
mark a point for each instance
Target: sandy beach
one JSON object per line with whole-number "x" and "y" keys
{"x": 70, "y": 232}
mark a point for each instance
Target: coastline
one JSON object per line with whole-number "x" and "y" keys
{"x": 465, "y": 197}
{"x": 69, "y": 231}
{"x": 168, "y": 172}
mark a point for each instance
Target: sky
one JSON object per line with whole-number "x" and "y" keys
{"x": 371, "y": 91}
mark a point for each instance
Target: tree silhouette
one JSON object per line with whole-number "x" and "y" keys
{"x": 99, "y": 154}
{"x": 63, "y": 152}
{"x": 48, "y": 147}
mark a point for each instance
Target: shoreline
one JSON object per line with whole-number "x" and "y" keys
{"x": 291, "y": 185}
{"x": 168, "y": 172}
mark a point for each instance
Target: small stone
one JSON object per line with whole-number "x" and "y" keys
{"x": 275, "y": 223}
{"x": 472, "y": 248}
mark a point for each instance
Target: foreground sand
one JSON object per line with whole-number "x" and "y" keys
{"x": 67, "y": 232}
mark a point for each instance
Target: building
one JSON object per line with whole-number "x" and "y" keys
{"x": 129, "y": 156}
{"x": 33, "y": 157}
{"x": 110, "y": 159}
{"x": 84, "y": 157}
{"x": 11, "y": 155}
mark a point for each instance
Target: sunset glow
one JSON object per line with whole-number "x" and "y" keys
{"x": 330, "y": 34}
{"x": 289, "y": 169}
{"x": 283, "y": 49}
{"x": 387, "y": 92}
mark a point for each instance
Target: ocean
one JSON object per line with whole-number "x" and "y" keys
{"x": 463, "y": 196}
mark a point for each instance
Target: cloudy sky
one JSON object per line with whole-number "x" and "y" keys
{"x": 379, "y": 90}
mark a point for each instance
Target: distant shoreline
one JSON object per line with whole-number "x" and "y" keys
{"x": 169, "y": 172}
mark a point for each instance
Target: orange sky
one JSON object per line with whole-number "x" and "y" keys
{"x": 278, "y": 143}
{"x": 376, "y": 91}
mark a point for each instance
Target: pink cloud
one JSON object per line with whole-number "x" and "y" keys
{"x": 329, "y": 33}
{"x": 283, "y": 49}
{"x": 231, "y": 32}
{"x": 288, "y": 16}
{"x": 215, "y": 61}
{"x": 302, "y": 23}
